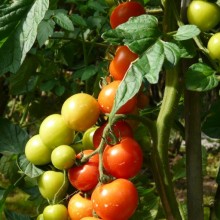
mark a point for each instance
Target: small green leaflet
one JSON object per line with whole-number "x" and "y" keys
{"x": 63, "y": 21}
{"x": 200, "y": 77}
{"x": 20, "y": 41}
{"x": 186, "y": 32}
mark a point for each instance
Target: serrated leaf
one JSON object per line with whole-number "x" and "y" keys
{"x": 27, "y": 167}
{"x": 78, "y": 20}
{"x": 172, "y": 53}
{"x": 186, "y": 32}
{"x": 200, "y": 77}
{"x": 21, "y": 40}
{"x": 63, "y": 21}
{"x": 45, "y": 30}
{"x": 138, "y": 33}
{"x": 12, "y": 137}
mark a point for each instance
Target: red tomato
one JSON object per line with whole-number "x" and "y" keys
{"x": 124, "y": 11}
{"x": 106, "y": 99}
{"x": 117, "y": 200}
{"x": 123, "y": 160}
{"x": 79, "y": 207}
{"x": 85, "y": 177}
{"x": 121, "y": 62}
{"x": 120, "y": 128}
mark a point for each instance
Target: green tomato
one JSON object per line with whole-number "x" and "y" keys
{"x": 37, "y": 152}
{"x": 63, "y": 157}
{"x": 40, "y": 217}
{"x": 55, "y": 212}
{"x": 78, "y": 147}
{"x": 53, "y": 185}
{"x": 214, "y": 46}
{"x": 54, "y": 131}
{"x": 87, "y": 140}
{"x": 205, "y": 15}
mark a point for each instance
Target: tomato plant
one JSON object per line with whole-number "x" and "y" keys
{"x": 205, "y": 15}
{"x": 110, "y": 199}
{"x": 79, "y": 207}
{"x": 124, "y": 11}
{"x": 80, "y": 111}
{"x": 121, "y": 62}
{"x": 55, "y": 212}
{"x": 106, "y": 99}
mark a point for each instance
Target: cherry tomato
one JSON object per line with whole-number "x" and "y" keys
{"x": 205, "y": 15}
{"x": 90, "y": 218}
{"x": 87, "y": 139}
{"x": 214, "y": 46}
{"x": 52, "y": 184}
{"x": 123, "y": 160}
{"x": 54, "y": 131}
{"x": 116, "y": 200}
{"x": 40, "y": 217}
{"x": 121, "y": 62}
{"x": 37, "y": 152}
{"x": 120, "y": 128}
{"x": 63, "y": 157}
{"x": 80, "y": 111}
{"x": 55, "y": 212}
{"x": 124, "y": 11}
{"x": 79, "y": 207}
{"x": 106, "y": 99}
{"x": 143, "y": 100}
{"x": 85, "y": 177}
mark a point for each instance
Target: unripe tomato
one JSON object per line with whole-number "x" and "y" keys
{"x": 85, "y": 177}
{"x": 116, "y": 200}
{"x": 51, "y": 184}
{"x": 63, "y": 157}
{"x": 79, "y": 207}
{"x": 205, "y": 15}
{"x": 40, "y": 217}
{"x": 80, "y": 111}
{"x": 123, "y": 160}
{"x": 87, "y": 139}
{"x": 121, "y": 62}
{"x": 37, "y": 152}
{"x": 214, "y": 46}
{"x": 124, "y": 11}
{"x": 55, "y": 212}
{"x": 107, "y": 96}
{"x": 54, "y": 131}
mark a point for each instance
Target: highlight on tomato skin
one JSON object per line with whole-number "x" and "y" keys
{"x": 124, "y": 11}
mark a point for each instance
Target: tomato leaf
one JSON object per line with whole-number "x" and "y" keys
{"x": 28, "y": 168}
{"x": 186, "y": 32}
{"x": 200, "y": 77}
{"x": 15, "y": 216}
{"x": 63, "y": 21}
{"x": 12, "y": 138}
{"x": 20, "y": 41}
{"x": 78, "y": 20}
{"x": 138, "y": 33}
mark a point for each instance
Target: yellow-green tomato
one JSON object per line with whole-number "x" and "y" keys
{"x": 63, "y": 157}
{"x": 78, "y": 147}
{"x": 37, "y": 152}
{"x": 40, "y": 217}
{"x": 214, "y": 46}
{"x": 80, "y": 111}
{"x": 55, "y": 212}
{"x": 87, "y": 139}
{"x": 54, "y": 131}
{"x": 53, "y": 185}
{"x": 205, "y": 15}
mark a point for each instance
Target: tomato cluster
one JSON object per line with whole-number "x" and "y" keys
{"x": 87, "y": 165}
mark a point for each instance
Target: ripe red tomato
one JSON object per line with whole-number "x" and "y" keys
{"x": 120, "y": 128}
{"x": 90, "y": 218}
{"x": 121, "y": 62}
{"x": 79, "y": 207}
{"x": 124, "y": 11}
{"x": 85, "y": 177}
{"x": 123, "y": 160}
{"x": 117, "y": 200}
{"x": 107, "y": 96}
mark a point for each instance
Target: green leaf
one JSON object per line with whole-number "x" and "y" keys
{"x": 78, "y": 20}
{"x": 138, "y": 33}
{"x": 15, "y": 216}
{"x": 95, "y": 5}
{"x": 12, "y": 137}
{"x": 172, "y": 53}
{"x": 18, "y": 44}
{"x": 186, "y": 32}
{"x": 200, "y": 77}
{"x": 88, "y": 72}
{"x": 27, "y": 167}
{"x": 45, "y": 30}
{"x": 63, "y": 21}
{"x": 187, "y": 48}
